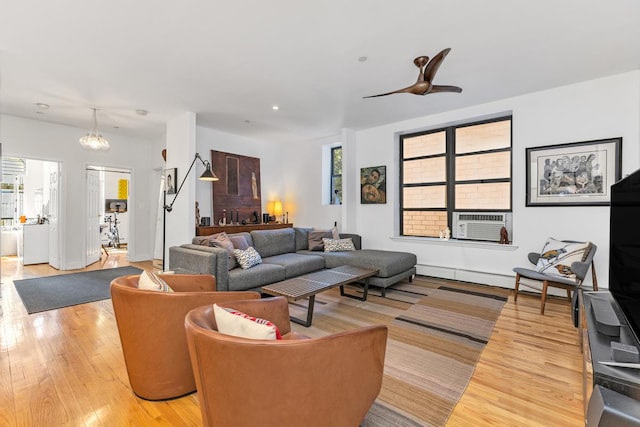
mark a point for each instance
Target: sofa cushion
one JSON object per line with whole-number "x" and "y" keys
{"x": 315, "y": 239}
{"x": 247, "y": 258}
{"x": 260, "y": 275}
{"x": 338, "y": 245}
{"x": 302, "y": 238}
{"x": 296, "y": 264}
{"x": 239, "y": 324}
{"x": 274, "y": 242}
{"x": 388, "y": 263}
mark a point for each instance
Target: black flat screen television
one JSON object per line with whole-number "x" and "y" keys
{"x": 624, "y": 248}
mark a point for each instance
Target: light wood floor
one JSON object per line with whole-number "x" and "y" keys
{"x": 65, "y": 368}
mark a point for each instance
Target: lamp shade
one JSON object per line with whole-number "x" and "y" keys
{"x": 277, "y": 208}
{"x": 207, "y": 175}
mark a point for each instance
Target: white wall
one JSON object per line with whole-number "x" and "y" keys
{"x": 603, "y": 108}
{"x": 46, "y": 141}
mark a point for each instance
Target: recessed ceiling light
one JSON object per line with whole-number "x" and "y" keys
{"x": 362, "y": 58}
{"x": 42, "y": 105}
{"x": 275, "y": 107}
{"x": 142, "y": 112}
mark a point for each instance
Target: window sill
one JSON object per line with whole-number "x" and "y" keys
{"x": 455, "y": 242}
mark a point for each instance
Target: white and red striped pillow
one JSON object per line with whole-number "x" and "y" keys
{"x": 239, "y": 324}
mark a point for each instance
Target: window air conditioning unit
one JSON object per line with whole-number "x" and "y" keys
{"x": 481, "y": 225}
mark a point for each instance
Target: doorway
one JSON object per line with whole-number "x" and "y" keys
{"x": 107, "y": 212}
{"x": 29, "y": 211}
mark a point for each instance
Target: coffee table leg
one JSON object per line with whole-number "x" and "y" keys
{"x": 312, "y": 300}
{"x": 365, "y": 292}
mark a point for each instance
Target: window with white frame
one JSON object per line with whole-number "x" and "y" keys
{"x": 336, "y": 175}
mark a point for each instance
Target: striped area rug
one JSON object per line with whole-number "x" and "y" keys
{"x": 437, "y": 330}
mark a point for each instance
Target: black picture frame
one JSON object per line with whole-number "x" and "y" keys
{"x": 573, "y": 174}
{"x": 171, "y": 180}
{"x": 373, "y": 185}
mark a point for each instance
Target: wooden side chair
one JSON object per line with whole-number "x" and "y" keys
{"x": 552, "y": 271}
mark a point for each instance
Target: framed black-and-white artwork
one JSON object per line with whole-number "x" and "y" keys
{"x": 373, "y": 185}
{"x": 170, "y": 180}
{"x": 574, "y": 174}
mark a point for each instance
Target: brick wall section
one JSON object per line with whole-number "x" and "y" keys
{"x": 424, "y": 197}
{"x": 483, "y": 166}
{"x": 488, "y": 136}
{"x": 424, "y": 145}
{"x": 483, "y": 196}
{"x": 424, "y": 170}
{"x": 426, "y": 224}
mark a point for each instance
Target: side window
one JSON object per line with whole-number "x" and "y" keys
{"x": 336, "y": 176}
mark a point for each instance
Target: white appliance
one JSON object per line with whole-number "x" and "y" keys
{"x": 481, "y": 225}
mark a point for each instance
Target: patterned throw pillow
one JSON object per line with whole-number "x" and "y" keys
{"x": 338, "y": 245}
{"x": 556, "y": 257}
{"x": 247, "y": 258}
{"x": 239, "y": 324}
{"x": 150, "y": 281}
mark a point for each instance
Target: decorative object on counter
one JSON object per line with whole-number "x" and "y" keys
{"x": 286, "y": 221}
{"x": 445, "y": 234}
{"x": 223, "y": 220}
{"x": 504, "y": 236}
{"x": 94, "y": 139}
{"x": 197, "y": 213}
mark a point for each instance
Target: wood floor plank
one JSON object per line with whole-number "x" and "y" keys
{"x": 65, "y": 367}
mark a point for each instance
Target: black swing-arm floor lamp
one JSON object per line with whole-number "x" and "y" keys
{"x": 207, "y": 175}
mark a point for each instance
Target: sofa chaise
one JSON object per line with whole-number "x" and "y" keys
{"x": 285, "y": 254}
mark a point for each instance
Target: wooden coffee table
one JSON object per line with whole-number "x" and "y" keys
{"x": 308, "y": 285}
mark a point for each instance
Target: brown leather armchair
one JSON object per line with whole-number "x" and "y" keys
{"x": 327, "y": 381}
{"x": 151, "y": 327}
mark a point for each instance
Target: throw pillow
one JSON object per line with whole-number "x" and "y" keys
{"x": 556, "y": 257}
{"x": 315, "y": 239}
{"x": 150, "y": 281}
{"x": 339, "y": 245}
{"x": 247, "y": 258}
{"x": 239, "y": 324}
{"x": 221, "y": 240}
{"x": 335, "y": 234}
{"x": 239, "y": 242}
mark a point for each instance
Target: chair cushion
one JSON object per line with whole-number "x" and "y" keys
{"x": 239, "y": 324}
{"x": 338, "y": 245}
{"x": 151, "y": 282}
{"x": 247, "y": 258}
{"x": 556, "y": 257}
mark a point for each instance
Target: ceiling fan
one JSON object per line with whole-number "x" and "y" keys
{"x": 424, "y": 84}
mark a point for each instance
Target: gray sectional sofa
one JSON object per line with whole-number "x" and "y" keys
{"x": 285, "y": 254}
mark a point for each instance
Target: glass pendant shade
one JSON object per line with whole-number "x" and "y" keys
{"x": 94, "y": 140}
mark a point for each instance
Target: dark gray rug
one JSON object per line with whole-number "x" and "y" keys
{"x": 51, "y": 292}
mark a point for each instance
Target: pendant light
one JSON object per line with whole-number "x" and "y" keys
{"x": 94, "y": 140}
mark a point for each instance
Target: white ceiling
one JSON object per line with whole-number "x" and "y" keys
{"x": 229, "y": 62}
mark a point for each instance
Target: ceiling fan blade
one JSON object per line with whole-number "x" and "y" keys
{"x": 403, "y": 90}
{"x": 434, "y": 64}
{"x": 445, "y": 88}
